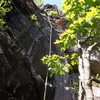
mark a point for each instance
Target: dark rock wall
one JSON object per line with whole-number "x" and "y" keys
{"x": 16, "y": 78}
{"x": 34, "y": 39}
{"x": 21, "y": 70}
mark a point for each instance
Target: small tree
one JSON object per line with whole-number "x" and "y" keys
{"x": 84, "y": 32}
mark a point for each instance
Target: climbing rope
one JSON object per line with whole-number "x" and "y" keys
{"x": 50, "y": 49}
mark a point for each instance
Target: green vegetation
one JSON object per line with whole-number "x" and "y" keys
{"x": 33, "y": 17}
{"x": 84, "y": 20}
{"x": 54, "y": 13}
{"x": 4, "y": 8}
{"x": 97, "y": 77}
{"x": 84, "y": 32}
{"x": 56, "y": 64}
{"x": 38, "y": 2}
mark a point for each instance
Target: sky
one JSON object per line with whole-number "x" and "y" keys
{"x": 57, "y": 2}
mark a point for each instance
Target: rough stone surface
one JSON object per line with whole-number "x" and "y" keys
{"x": 16, "y": 78}
{"x": 22, "y": 73}
{"x": 32, "y": 37}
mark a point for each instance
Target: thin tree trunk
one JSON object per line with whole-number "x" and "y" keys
{"x": 87, "y": 76}
{"x": 85, "y": 86}
{"x": 85, "y": 81}
{"x": 81, "y": 78}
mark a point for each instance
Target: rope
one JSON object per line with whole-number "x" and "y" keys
{"x": 50, "y": 49}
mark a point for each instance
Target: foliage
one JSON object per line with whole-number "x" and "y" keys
{"x": 37, "y": 23}
{"x": 4, "y": 8}
{"x": 84, "y": 20}
{"x": 83, "y": 25}
{"x": 56, "y": 64}
{"x": 75, "y": 86}
{"x": 54, "y": 13}
{"x": 98, "y": 78}
{"x": 33, "y": 17}
{"x": 39, "y": 2}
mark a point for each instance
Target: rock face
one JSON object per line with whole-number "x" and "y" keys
{"x": 16, "y": 78}
{"x": 33, "y": 38}
{"x": 22, "y": 73}
{"x": 95, "y": 63}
